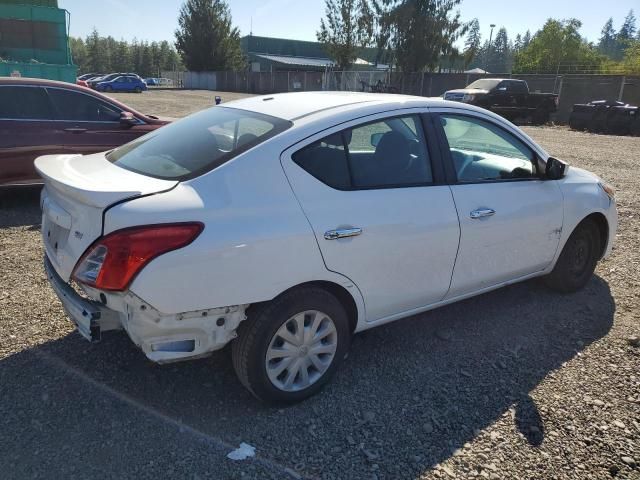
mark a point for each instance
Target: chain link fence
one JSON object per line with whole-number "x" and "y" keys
{"x": 570, "y": 88}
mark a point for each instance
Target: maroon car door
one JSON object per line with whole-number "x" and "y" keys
{"x": 90, "y": 124}
{"x": 27, "y": 130}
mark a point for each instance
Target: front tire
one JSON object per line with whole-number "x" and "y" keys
{"x": 578, "y": 259}
{"x": 289, "y": 348}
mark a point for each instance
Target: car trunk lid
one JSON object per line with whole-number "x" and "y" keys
{"x": 78, "y": 189}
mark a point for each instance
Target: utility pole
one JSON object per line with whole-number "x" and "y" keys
{"x": 493, "y": 25}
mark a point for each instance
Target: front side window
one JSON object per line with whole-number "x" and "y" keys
{"x": 196, "y": 144}
{"x": 80, "y": 107}
{"x": 382, "y": 154}
{"x": 24, "y": 103}
{"x": 482, "y": 151}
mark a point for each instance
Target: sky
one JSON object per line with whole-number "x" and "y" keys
{"x": 156, "y": 20}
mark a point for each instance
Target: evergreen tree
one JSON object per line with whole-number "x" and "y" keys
{"x": 472, "y": 44}
{"x": 348, "y": 28}
{"x": 608, "y": 43}
{"x": 501, "y": 53}
{"x": 205, "y": 37}
{"x": 625, "y": 36}
{"x": 421, "y": 31}
{"x": 96, "y": 55}
{"x": 526, "y": 40}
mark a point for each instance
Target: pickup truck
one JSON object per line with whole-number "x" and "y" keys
{"x": 508, "y": 98}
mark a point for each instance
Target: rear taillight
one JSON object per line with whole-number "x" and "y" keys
{"x": 112, "y": 261}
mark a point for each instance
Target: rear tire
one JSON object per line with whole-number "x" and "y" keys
{"x": 268, "y": 340}
{"x": 578, "y": 259}
{"x": 540, "y": 116}
{"x": 108, "y": 89}
{"x": 138, "y": 90}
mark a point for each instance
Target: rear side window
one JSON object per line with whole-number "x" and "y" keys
{"x": 196, "y": 144}
{"x": 80, "y": 107}
{"x": 24, "y": 103}
{"x": 383, "y": 154}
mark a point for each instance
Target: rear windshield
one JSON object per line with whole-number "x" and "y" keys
{"x": 196, "y": 144}
{"x": 484, "y": 84}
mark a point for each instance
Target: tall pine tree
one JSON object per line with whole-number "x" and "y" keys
{"x": 205, "y": 38}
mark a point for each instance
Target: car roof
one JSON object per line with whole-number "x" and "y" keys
{"x": 297, "y": 105}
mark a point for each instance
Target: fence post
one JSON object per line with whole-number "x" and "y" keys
{"x": 422, "y": 84}
{"x": 287, "y": 81}
{"x": 624, "y": 80}
{"x": 560, "y": 90}
{"x": 430, "y": 84}
{"x": 304, "y": 85}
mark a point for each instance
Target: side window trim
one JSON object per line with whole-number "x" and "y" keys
{"x": 450, "y": 172}
{"x": 427, "y": 135}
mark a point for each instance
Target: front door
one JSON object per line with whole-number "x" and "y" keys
{"x": 88, "y": 125}
{"x": 380, "y": 216}
{"x": 510, "y": 218}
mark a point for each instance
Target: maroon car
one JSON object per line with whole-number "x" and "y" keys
{"x": 39, "y": 117}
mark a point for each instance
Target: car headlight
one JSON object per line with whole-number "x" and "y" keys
{"x": 468, "y": 98}
{"x": 608, "y": 189}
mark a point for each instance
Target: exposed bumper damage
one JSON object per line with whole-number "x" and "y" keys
{"x": 163, "y": 338}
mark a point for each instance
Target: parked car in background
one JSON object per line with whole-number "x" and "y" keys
{"x": 285, "y": 224}
{"x": 87, "y": 76}
{"x": 93, "y": 82}
{"x": 124, "y": 83}
{"x": 152, "y": 82}
{"x": 44, "y": 116}
{"x": 165, "y": 82}
{"x": 507, "y": 97}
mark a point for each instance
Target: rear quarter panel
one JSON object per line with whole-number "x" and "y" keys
{"x": 256, "y": 243}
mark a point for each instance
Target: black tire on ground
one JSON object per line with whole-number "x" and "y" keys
{"x": 540, "y": 116}
{"x": 249, "y": 350}
{"x": 138, "y": 90}
{"x": 108, "y": 88}
{"x": 578, "y": 259}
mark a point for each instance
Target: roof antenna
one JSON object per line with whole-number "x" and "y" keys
{"x": 251, "y": 28}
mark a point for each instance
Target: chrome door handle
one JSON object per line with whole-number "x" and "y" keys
{"x": 482, "y": 212}
{"x": 342, "y": 233}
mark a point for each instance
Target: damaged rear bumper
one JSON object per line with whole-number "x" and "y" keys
{"x": 162, "y": 337}
{"x": 89, "y": 317}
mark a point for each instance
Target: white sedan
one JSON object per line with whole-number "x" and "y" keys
{"x": 285, "y": 224}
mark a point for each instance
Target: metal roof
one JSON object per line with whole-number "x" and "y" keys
{"x": 305, "y": 61}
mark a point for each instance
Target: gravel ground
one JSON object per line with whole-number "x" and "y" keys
{"x": 173, "y": 103}
{"x": 518, "y": 383}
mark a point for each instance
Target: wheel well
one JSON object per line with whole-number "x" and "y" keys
{"x": 603, "y": 229}
{"x": 341, "y": 293}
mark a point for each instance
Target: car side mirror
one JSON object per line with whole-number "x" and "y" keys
{"x": 555, "y": 169}
{"x": 375, "y": 139}
{"x": 127, "y": 120}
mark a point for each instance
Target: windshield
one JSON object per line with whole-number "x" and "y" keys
{"x": 484, "y": 84}
{"x": 196, "y": 144}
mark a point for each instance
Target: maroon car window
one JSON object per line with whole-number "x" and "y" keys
{"x": 80, "y": 107}
{"x": 24, "y": 103}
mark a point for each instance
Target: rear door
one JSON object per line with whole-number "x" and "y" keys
{"x": 27, "y": 130}
{"x": 374, "y": 194}
{"x": 88, "y": 124}
{"x": 510, "y": 219}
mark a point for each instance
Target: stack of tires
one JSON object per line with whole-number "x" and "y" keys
{"x": 609, "y": 117}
